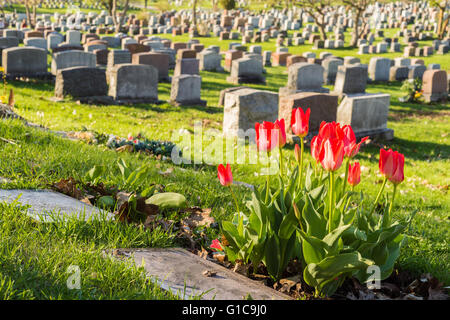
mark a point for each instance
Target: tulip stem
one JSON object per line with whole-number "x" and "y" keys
{"x": 392, "y": 203}
{"x": 268, "y": 178}
{"x": 235, "y": 199}
{"x": 378, "y": 196}
{"x": 300, "y": 174}
{"x": 346, "y": 175}
{"x": 330, "y": 219}
{"x": 281, "y": 160}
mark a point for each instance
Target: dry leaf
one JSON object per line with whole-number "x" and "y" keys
{"x": 198, "y": 217}
{"x": 69, "y": 187}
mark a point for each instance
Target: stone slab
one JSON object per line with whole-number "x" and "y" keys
{"x": 46, "y": 203}
{"x": 178, "y": 270}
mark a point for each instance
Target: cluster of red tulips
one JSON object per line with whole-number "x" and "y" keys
{"x": 329, "y": 148}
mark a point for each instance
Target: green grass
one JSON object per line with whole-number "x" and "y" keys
{"x": 43, "y": 252}
{"x": 34, "y": 259}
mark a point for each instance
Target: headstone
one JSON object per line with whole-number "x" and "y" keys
{"x": 25, "y": 61}
{"x": 72, "y": 58}
{"x": 185, "y": 90}
{"x": 397, "y": 73}
{"x": 158, "y": 60}
{"x": 351, "y": 79}
{"x": 323, "y": 108}
{"x": 209, "y": 60}
{"x": 246, "y": 70}
{"x": 330, "y": 66}
{"x": 244, "y": 107}
{"x": 186, "y": 66}
{"x": 416, "y": 71}
{"x": 366, "y": 113}
{"x": 304, "y": 77}
{"x": 379, "y": 69}
{"x": 80, "y": 82}
{"x": 434, "y": 85}
{"x": 134, "y": 82}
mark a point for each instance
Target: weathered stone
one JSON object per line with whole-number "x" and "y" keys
{"x": 187, "y": 66}
{"x": 397, "y": 73}
{"x": 25, "y": 61}
{"x": 158, "y": 60}
{"x": 178, "y": 270}
{"x": 351, "y": 79}
{"x": 80, "y": 82}
{"x": 244, "y": 107}
{"x": 366, "y": 113}
{"x": 50, "y": 206}
{"x": 416, "y": 71}
{"x": 134, "y": 82}
{"x": 379, "y": 69}
{"x": 72, "y": 58}
{"x": 246, "y": 70}
{"x": 330, "y": 66}
{"x": 209, "y": 60}
{"x": 434, "y": 85}
{"x": 185, "y": 90}
{"x": 323, "y": 108}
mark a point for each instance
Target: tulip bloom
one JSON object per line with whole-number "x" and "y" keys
{"x": 279, "y": 124}
{"x": 332, "y": 154}
{"x": 300, "y": 122}
{"x": 316, "y": 145}
{"x": 225, "y": 175}
{"x": 331, "y": 130}
{"x": 267, "y": 136}
{"x": 351, "y": 148}
{"x": 391, "y": 165}
{"x": 354, "y": 174}
{"x": 226, "y": 179}
{"x": 297, "y": 153}
{"x": 216, "y": 245}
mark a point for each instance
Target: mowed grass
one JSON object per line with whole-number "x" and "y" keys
{"x": 41, "y": 158}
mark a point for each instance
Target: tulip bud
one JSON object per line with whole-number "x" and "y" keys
{"x": 297, "y": 153}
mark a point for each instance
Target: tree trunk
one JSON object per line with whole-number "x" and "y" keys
{"x": 33, "y": 17}
{"x": 194, "y": 13}
{"x": 27, "y": 10}
{"x": 122, "y": 16}
{"x": 145, "y": 4}
{"x": 355, "y": 33}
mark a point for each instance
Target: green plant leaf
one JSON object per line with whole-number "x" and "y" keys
{"x": 272, "y": 256}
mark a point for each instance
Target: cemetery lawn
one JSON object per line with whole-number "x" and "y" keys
{"x": 37, "y": 159}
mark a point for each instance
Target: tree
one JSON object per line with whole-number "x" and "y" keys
{"x": 118, "y": 23}
{"x": 228, "y": 4}
{"x": 442, "y": 23}
{"x": 358, "y": 7}
{"x": 317, "y": 10}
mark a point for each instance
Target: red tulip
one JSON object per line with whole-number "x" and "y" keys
{"x": 216, "y": 245}
{"x": 297, "y": 152}
{"x": 354, "y": 174}
{"x": 225, "y": 175}
{"x": 300, "y": 122}
{"x": 351, "y": 148}
{"x": 391, "y": 165}
{"x": 267, "y": 136}
{"x": 331, "y": 130}
{"x": 316, "y": 144}
{"x": 332, "y": 154}
{"x": 281, "y": 132}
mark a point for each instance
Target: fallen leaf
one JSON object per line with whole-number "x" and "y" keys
{"x": 198, "y": 217}
{"x": 69, "y": 187}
